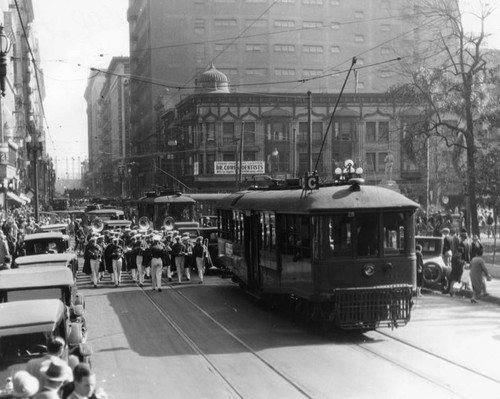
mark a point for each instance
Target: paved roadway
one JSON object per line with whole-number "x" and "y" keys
{"x": 212, "y": 341}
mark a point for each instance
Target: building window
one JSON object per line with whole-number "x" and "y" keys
{"x": 359, "y": 38}
{"x": 309, "y": 73}
{"x": 385, "y": 27}
{"x": 254, "y": 47}
{"x": 210, "y": 163}
{"x": 284, "y": 72}
{"x": 335, "y": 49}
{"x": 313, "y": 49}
{"x": 256, "y": 23}
{"x": 335, "y": 25}
{"x": 229, "y": 71}
{"x": 312, "y": 24}
{"x": 284, "y": 48}
{"x": 371, "y": 162}
{"x": 228, "y": 157}
{"x": 313, "y": 2}
{"x": 210, "y": 131}
{"x": 385, "y": 51}
{"x": 224, "y": 22}
{"x": 256, "y": 71}
{"x": 228, "y": 133}
{"x": 249, "y": 137}
{"x": 344, "y": 130}
{"x": 199, "y": 26}
{"x": 377, "y": 132}
{"x": 277, "y": 131}
{"x": 230, "y": 47}
{"x": 359, "y": 14}
{"x": 280, "y": 23}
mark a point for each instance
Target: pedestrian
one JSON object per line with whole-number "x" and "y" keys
{"x": 179, "y": 251}
{"x": 83, "y": 385}
{"x": 24, "y": 385}
{"x": 478, "y": 276}
{"x": 476, "y": 247}
{"x": 4, "y": 249}
{"x": 55, "y": 349}
{"x": 420, "y": 269}
{"x": 447, "y": 245}
{"x": 113, "y": 255}
{"x": 157, "y": 257}
{"x": 457, "y": 269}
{"x": 199, "y": 256}
{"x": 55, "y": 374}
{"x": 92, "y": 257}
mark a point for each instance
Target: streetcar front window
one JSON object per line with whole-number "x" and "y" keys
{"x": 340, "y": 235}
{"x": 394, "y": 233}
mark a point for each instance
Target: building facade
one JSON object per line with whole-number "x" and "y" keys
{"x": 288, "y": 46}
{"x": 108, "y": 112}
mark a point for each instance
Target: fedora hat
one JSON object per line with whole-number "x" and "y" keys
{"x": 24, "y": 384}
{"x": 56, "y": 370}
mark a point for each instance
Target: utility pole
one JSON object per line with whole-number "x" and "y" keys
{"x": 309, "y": 136}
{"x": 242, "y": 138}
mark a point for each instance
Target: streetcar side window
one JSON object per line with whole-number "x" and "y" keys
{"x": 268, "y": 231}
{"x": 339, "y": 235}
{"x": 394, "y": 233}
{"x": 294, "y": 236}
{"x": 368, "y": 234}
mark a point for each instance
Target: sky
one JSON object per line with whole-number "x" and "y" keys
{"x": 74, "y": 36}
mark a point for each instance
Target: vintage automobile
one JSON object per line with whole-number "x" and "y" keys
{"x": 435, "y": 271}
{"x": 53, "y": 282}
{"x": 54, "y": 227}
{"x": 46, "y": 242}
{"x": 24, "y": 330}
{"x": 70, "y": 260}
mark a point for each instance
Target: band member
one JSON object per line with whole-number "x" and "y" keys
{"x": 93, "y": 254}
{"x": 179, "y": 250}
{"x": 168, "y": 256}
{"x": 140, "y": 248}
{"x": 113, "y": 255}
{"x": 157, "y": 256}
{"x": 199, "y": 256}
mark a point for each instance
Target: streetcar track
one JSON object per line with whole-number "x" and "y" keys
{"x": 195, "y": 347}
{"x": 442, "y": 358}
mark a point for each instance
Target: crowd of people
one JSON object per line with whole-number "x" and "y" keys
{"x": 462, "y": 254}
{"x": 54, "y": 376}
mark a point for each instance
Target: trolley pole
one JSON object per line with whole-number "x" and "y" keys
{"x": 309, "y": 136}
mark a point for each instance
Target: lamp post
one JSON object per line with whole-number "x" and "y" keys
{"x": 5, "y": 45}
{"x": 121, "y": 174}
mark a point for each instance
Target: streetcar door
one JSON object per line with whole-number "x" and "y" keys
{"x": 251, "y": 231}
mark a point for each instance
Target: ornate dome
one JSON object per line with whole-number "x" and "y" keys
{"x": 212, "y": 81}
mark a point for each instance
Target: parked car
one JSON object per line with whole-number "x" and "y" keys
{"x": 54, "y": 227}
{"x": 48, "y": 242}
{"x": 70, "y": 260}
{"x": 25, "y": 327}
{"x": 435, "y": 271}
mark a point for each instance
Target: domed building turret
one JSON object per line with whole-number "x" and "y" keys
{"x": 212, "y": 81}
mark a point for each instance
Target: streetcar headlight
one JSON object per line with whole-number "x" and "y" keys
{"x": 369, "y": 269}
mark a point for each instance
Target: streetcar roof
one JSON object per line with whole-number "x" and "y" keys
{"x": 182, "y": 199}
{"x": 106, "y": 211}
{"x": 316, "y": 201}
{"x": 206, "y": 196}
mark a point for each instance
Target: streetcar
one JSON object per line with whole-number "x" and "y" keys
{"x": 167, "y": 209}
{"x": 342, "y": 255}
{"x": 205, "y": 206}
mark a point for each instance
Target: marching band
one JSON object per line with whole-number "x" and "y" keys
{"x": 145, "y": 254}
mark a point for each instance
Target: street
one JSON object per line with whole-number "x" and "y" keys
{"x": 213, "y": 341}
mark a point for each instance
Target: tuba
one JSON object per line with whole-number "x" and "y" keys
{"x": 97, "y": 225}
{"x": 168, "y": 223}
{"x": 144, "y": 223}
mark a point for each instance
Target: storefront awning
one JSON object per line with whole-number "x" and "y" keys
{"x": 25, "y": 198}
{"x": 13, "y": 197}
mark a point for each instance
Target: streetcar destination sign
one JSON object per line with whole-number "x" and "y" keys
{"x": 249, "y": 168}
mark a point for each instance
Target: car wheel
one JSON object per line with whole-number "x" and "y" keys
{"x": 432, "y": 273}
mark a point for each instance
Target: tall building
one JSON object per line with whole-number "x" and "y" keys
{"x": 262, "y": 46}
{"x": 108, "y": 113}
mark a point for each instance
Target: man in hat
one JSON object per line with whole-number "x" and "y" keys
{"x": 24, "y": 385}
{"x": 113, "y": 257}
{"x": 199, "y": 256}
{"x": 55, "y": 374}
{"x": 157, "y": 258}
{"x": 92, "y": 255}
{"x": 179, "y": 251}
{"x": 84, "y": 384}
{"x": 55, "y": 349}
